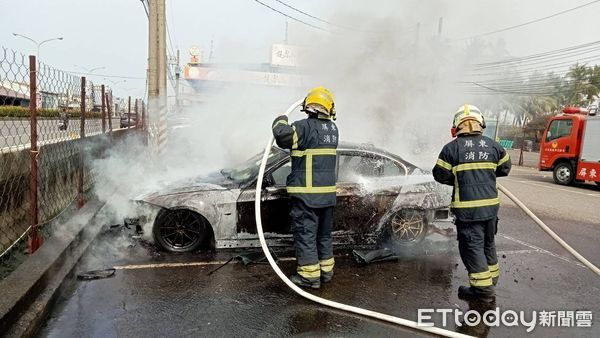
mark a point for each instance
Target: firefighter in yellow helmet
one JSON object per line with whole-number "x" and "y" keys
{"x": 471, "y": 163}
{"x": 311, "y": 185}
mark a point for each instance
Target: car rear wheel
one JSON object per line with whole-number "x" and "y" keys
{"x": 563, "y": 173}
{"x": 408, "y": 227}
{"x": 180, "y": 230}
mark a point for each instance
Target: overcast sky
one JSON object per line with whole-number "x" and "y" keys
{"x": 113, "y": 33}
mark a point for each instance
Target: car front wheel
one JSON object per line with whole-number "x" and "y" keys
{"x": 180, "y": 230}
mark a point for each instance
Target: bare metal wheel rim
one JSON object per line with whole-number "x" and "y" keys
{"x": 408, "y": 227}
{"x": 181, "y": 229}
{"x": 563, "y": 173}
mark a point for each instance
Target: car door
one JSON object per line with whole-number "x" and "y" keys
{"x": 275, "y": 203}
{"x": 360, "y": 201}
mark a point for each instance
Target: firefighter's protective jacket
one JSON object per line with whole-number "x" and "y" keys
{"x": 313, "y": 143}
{"x": 471, "y": 163}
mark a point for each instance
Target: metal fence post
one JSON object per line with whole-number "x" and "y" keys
{"x": 34, "y": 240}
{"x": 143, "y": 116}
{"x": 110, "y": 112}
{"x": 103, "y": 105}
{"x": 129, "y": 113}
{"x": 80, "y": 198}
{"x": 137, "y": 114}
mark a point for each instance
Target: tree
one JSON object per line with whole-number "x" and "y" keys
{"x": 582, "y": 90}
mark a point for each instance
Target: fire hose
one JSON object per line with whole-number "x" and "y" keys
{"x": 549, "y": 231}
{"x": 323, "y": 301}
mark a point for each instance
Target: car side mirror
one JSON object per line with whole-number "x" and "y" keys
{"x": 268, "y": 181}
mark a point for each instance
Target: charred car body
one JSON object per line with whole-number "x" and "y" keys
{"x": 379, "y": 195}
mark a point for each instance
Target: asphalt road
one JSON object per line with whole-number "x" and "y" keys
{"x": 155, "y": 294}
{"x": 15, "y": 133}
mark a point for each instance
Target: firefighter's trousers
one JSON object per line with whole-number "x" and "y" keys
{"x": 477, "y": 250}
{"x": 312, "y": 228}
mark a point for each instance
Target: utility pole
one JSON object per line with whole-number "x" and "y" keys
{"x": 286, "y": 32}
{"x": 212, "y": 45}
{"x": 177, "y": 74}
{"x": 440, "y": 25}
{"x": 418, "y": 32}
{"x": 153, "y": 66}
{"x": 157, "y": 73}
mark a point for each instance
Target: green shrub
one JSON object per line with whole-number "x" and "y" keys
{"x": 23, "y": 112}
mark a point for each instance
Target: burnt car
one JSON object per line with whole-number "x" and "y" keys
{"x": 379, "y": 195}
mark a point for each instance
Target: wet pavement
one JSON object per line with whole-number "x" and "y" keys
{"x": 156, "y": 294}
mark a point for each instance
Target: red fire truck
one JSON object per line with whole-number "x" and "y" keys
{"x": 570, "y": 147}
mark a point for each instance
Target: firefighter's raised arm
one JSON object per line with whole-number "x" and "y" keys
{"x": 288, "y": 136}
{"x": 442, "y": 172}
{"x": 504, "y": 164}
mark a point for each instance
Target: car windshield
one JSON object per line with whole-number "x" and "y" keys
{"x": 248, "y": 170}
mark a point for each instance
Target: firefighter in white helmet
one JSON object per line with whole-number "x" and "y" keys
{"x": 471, "y": 163}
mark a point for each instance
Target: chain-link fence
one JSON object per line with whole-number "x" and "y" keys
{"x": 52, "y": 123}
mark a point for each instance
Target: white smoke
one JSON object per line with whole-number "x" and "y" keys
{"x": 392, "y": 89}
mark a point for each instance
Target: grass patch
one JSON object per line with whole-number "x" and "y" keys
{"x": 23, "y": 112}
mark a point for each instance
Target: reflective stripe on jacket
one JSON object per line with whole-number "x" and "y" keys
{"x": 313, "y": 143}
{"x": 471, "y": 163}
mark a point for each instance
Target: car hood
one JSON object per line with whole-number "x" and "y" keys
{"x": 211, "y": 182}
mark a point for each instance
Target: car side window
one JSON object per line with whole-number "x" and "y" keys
{"x": 354, "y": 166}
{"x": 391, "y": 169}
{"x": 280, "y": 174}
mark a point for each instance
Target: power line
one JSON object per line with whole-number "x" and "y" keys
{"x": 574, "y": 50}
{"x": 109, "y": 76}
{"x": 524, "y": 89}
{"x": 563, "y": 65}
{"x": 332, "y": 23}
{"x": 532, "y": 21}
{"x": 293, "y": 18}
{"x": 172, "y": 15}
{"x": 309, "y": 15}
{"x": 145, "y": 8}
{"x": 496, "y": 90}
{"x": 536, "y": 83}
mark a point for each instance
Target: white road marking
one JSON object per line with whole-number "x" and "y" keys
{"x": 528, "y": 169}
{"x": 551, "y": 187}
{"x": 544, "y": 251}
{"x": 179, "y": 265}
{"x": 516, "y": 252}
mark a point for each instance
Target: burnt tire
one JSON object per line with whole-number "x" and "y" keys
{"x": 180, "y": 230}
{"x": 563, "y": 173}
{"x": 408, "y": 227}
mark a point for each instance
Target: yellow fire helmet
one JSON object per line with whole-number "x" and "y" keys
{"x": 319, "y": 100}
{"x": 468, "y": 113}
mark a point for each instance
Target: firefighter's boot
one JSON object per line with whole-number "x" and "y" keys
{"x": 326, "y": 266}
{"x": 485, "y": 295}
{"x": 306, "y": 282}
{"x": 326, "y": 277}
